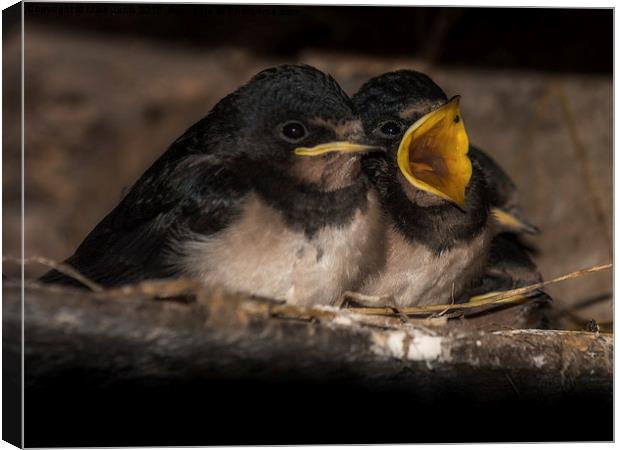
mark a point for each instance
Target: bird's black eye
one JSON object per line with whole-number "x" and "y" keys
{"x": 390, "y": 129}
{"x": 293, "y": 131}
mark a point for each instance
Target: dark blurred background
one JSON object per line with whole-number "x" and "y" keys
{"x": 576, "y": 40}
{"x": 109, "y": 86}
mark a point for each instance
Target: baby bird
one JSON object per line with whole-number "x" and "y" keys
{"x": 435, "y": 196}
{"x": 265, "y": 195}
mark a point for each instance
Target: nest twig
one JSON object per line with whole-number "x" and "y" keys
{"x": 63, "y": 268}
{"x": 502, "y": 297}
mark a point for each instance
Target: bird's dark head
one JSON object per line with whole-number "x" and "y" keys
{"x": 411, "y": 116}
{"x": 295, "y": 119}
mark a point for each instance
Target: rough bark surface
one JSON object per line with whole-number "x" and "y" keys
{"x": 218, "y": 331}
{"x": 123, "y": 344}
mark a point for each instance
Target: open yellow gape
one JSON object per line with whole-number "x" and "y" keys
{"x": 433, "y": 153}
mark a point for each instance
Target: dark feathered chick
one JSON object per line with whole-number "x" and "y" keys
{"x": 503, "y": 196}
{"x": 509, "y": 267}
{"x": 436, "y": 197}
{"x": 389, "y": 105}
{"x": 502, "y": 193}
{"x": 264, "y": 195}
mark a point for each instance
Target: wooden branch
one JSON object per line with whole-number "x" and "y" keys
{"x": 141, "y": 362}
{"x": 67, "y": 328}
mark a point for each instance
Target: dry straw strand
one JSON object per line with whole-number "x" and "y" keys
{"x": 150, "y": 288}
{"x": 63, "y": 268}
{"x": 504, "y": 297}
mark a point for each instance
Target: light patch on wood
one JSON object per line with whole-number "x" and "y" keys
{"x": 396, "y": 343}
{"x": 66, "y": 317}
{"x": 539, "y": 361}
{"x": 342, "y": 320}
{"x": 411, "y": 345}
{"x": 425, "y": 348}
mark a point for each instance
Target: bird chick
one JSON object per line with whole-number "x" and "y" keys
{"x": 434, "y": 195}
{"x": 265, "y": 195}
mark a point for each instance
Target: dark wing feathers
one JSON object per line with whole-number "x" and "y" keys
{"x": 502, "y": 190}
{"x": 197, "y": 193}
{"x": 503, "y": 193}
{"x": 509, "y": 267}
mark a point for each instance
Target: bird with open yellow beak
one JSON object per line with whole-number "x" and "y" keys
{"x": 265, "y": 195}
{"x": 453, "y": 211}
{"x": 434, "y": 195}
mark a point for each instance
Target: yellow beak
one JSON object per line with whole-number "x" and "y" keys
{"x": 338, "y": 146}
{"x": 433, "y": 153}
{"x": 511, "y": 222}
